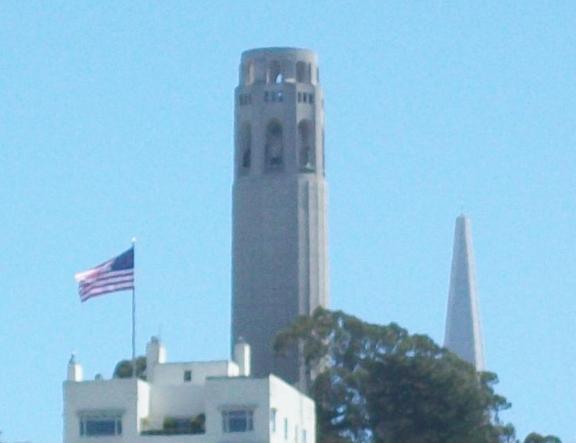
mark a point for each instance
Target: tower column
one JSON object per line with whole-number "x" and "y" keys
{"x": 279, "y": 260}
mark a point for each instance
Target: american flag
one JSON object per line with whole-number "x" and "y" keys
{"x": 116, "y": 274}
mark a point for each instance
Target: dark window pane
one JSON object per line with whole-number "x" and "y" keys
{"x": 237, "y": 421}
{"x": 100, "y": 427}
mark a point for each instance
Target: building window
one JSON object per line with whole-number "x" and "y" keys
{"x": 246, "y": 159}
{"x": 244, "y": 99}
{"x": 273, "y": 96}
{"x": 285, "y": 429}
{"x": 273, "y": 414}
{"x": 248, "y": 73}
{"x": 304, "y": 436}
{"x": 187, "y": 375}
{"x": 274, "y": 146}
{"x": 305, "y": 97}
{"x": 96, "y": 425}
{"x": 306, "y": 152}
{"x": 301, "y": 72}
{"x": 244, "y": 148}
{"x": 241, "y": 420}
{"x": 275, "y": 73}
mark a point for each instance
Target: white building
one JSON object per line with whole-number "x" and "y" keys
{"x": 193, "y": 402}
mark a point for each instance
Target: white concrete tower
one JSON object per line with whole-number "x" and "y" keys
{"x": 463, "y": 333}
{"x": 279, "y": 259}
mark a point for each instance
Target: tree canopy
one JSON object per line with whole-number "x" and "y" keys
{"x": 380, "y": 384}
{"x": 123, "y": 368}
{"x": 537, "y": 438}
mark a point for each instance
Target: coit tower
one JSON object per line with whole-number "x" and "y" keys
{"x": 279, "y": 258}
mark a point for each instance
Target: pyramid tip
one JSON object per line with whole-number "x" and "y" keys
{"x": 462, "y": 220}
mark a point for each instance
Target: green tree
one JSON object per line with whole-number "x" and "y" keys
{"x": 123, "y": 368}
{"x": 537, "y": 438}
{"x": 380, "y": 384}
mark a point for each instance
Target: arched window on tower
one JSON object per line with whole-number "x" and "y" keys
{"x": 275, "y": 73}
{"x": 248, "y": 72}
{"x": 301, "y": 72}
{"x": 245, "y": 148}
{"x": 306, "y": 152}
{"x": 274, "y": 146}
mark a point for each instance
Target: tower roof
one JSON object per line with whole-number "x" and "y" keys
{"x": 287, "y": 52}
{"x": 463, "y": 332}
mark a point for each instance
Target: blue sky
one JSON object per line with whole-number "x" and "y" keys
{"x": 116, "y": 121}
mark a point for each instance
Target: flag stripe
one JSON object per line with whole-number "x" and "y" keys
{"x": 85, "y": 294}
{"x": 110, "y": 282}
{"x": 102, "y": 291}
{"x": 111, "y": 276}
{"x": 90, "y": 295}
{"x": 95, "y": 287}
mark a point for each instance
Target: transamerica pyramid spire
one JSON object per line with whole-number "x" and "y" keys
{"x": 463, "y": 333}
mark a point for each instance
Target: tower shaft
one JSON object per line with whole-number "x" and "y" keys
{"x": 279, "y": 259}
{"x": 463, "y": 332}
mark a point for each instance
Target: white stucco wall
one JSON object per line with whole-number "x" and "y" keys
{"x": 144, "y": 405}
{"x": 173, "y": 373}
{"x": 235, "y": 394}
{"x": 296, "y": 408}
{"x": 130, "y": 397}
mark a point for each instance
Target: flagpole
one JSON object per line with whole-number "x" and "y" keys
{"x": 134, "y": 315}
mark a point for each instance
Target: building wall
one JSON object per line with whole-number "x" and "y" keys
{"x": 129, "y": 397}
{"x": 173, "y": 373}
{"x": 262, "y": 396}
{"x": 237, "y": 394}
{"x": 174, "y": 401}
{"x": 296, "y": 409}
